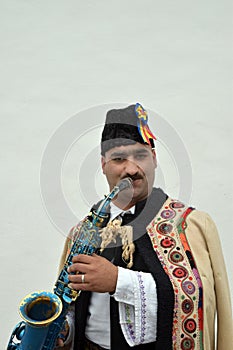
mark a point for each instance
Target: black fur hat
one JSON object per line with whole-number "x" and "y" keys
{"x": 126, "y": 126}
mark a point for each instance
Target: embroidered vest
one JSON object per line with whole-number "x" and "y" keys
{"x": 167, "y": 235}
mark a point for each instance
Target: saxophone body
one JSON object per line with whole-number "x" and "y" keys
{"x": 44, "y": 313}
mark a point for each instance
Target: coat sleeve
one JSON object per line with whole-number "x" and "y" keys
{"x": 222, "y": 291}
{"x": 65, "y": 252}
{"x": 68, "y": 244}
{"x": 205, "y": 244}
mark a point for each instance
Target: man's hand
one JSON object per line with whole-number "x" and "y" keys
{"x": 93, "y": 273}
{"x": 60, "y": 343}
{"x": 64, "y": 333}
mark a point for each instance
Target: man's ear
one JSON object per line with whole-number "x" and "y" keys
{"x": 103, "y": 163}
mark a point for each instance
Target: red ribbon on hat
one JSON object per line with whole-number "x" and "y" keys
{"x": 143, "y": 127}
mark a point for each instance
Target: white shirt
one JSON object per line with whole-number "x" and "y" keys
{"x": 136, "y": 295}
{"x": 116, "y": 211}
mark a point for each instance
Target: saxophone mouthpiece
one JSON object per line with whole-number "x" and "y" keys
{"x": 125, "y": 183}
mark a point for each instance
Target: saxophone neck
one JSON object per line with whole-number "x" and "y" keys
{"x": 101, "y": 216}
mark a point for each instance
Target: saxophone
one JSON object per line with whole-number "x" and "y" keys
{"x": 44, "y": 313}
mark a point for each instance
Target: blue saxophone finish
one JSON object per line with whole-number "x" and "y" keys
{"x": 44, "y": 313}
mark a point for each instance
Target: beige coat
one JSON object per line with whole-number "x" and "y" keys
{"x": 206, "y": 248}
{"x": 205, "y": 245}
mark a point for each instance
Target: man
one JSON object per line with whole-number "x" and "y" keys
{"x": 164, "y": 294}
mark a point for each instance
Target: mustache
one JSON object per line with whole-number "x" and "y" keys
{"x": 135, "y": 177}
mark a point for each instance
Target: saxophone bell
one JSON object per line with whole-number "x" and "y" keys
{"x": 38, "y": 310}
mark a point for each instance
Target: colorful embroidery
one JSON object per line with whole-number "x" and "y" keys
{"x": 188, "y": 286}
{"x": 167, "y": 234}
{"x": 129, "y": 314}
{"x": 143, "y": 307}
{"x": 130, "y": 326}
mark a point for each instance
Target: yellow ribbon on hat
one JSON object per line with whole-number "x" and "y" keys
{"x": 143, "y": 127}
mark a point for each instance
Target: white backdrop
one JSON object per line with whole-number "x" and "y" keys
{"x": 61, "y": 57}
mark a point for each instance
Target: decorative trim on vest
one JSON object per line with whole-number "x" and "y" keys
{"x": 167, "y": 234}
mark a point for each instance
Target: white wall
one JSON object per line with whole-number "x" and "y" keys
{"x": 62, "y": 57}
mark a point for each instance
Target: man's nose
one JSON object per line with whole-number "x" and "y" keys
{"x": 131, "y": 167}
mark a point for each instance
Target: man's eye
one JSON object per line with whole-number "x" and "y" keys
{"x": 140, "y": 156}
{"x": 118, "y": 159}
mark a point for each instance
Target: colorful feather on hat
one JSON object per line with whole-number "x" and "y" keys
{"x": 143, "y": 127}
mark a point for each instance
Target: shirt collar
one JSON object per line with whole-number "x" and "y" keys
{"x": 115, "y": 211}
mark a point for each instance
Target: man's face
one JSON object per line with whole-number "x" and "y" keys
{"x": 136, "y": 161}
